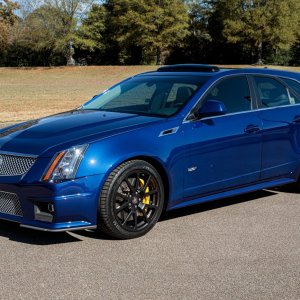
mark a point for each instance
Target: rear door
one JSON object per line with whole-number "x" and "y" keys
{"x": 280, "y": 114}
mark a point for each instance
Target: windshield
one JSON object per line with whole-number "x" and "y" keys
{"x": 153, "y": 96}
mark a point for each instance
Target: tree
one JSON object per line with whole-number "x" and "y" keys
{"x": 52, "y": 25}
{"x": 92, "y": 29}
{"x": 44, "y": 32}
{"x": 196, "y": 43}
{"x": 7, "y": 20}
{"x": 152, "y": 25}
{"x": 261, "y": 22}
{"x": 199, "y": 13}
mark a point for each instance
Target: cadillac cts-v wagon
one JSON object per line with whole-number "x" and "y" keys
{"x": 161, "y": 140}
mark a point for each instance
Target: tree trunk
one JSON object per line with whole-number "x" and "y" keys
{"x": 259, "y": 53}
{"x": 158, "y": 56}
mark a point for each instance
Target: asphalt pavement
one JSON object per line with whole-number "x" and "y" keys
{"x": 246, "y": 247}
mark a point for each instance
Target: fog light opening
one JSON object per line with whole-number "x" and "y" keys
{"x": 51, "y": 207}
{"x": 44, "y": 211}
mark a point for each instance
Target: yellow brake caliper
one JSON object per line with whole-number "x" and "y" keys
{"x": 145, "y": 200}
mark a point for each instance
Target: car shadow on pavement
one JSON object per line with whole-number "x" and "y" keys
{"x": 177, "y": 213}
{"x": 94, "y": 234}
{"x": 185, "y": 211}
{"x": 14, "y": 232}
{"x": 288, "y": 189}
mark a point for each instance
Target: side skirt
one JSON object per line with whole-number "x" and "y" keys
{"x": 234, "y": 192}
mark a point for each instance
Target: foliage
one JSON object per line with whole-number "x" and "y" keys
{"x": 48, "y": 30}
{"x": 151, "y": 25}
{"x": 91, "y": 31}
{"x": 7, "y": 20}
{"x": 260, "y": 22}
{"x": 149, "y": 31}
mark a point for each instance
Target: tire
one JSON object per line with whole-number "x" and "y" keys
{"x": 131, "y": 201}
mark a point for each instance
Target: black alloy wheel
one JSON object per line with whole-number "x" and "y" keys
{"x": 131, "y": 200}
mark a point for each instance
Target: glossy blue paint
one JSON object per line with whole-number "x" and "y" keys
{"x": 281, "y": 146}
{"x": 215, "y": 146}
{"x": 203, "y": 159}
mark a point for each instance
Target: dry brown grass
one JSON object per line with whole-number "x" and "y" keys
{"x": 36, "y": 92}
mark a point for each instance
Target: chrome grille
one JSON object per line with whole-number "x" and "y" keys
{"x": 10, "y": 204}
{"x": 12, "y": 165}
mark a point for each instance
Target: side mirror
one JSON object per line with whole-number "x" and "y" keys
{"x": 212, "y": 108}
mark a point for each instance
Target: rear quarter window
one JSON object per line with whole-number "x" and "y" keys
{"x": 295, "y": 85}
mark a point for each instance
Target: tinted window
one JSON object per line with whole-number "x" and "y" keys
{"x": 271, "y": 92}
{"x": 180, "y": 93}
{"x": 138, "y": 95}
{"x": 293, "y": 84}
{"x": 157, "y": 95}
{"x": 233, "y": 92}
{"x": 296, "y": 87}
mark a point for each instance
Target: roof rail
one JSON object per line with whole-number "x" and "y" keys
{"x": 189, "y": 68}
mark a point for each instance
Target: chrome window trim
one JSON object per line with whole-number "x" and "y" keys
{"x": 244, "y": 112}
{"x": 253, "y": 110}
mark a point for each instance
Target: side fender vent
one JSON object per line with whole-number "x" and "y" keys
{"x": 169, "y": 131}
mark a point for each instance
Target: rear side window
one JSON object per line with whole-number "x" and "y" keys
{"x": 296, "y": 87}
{"x": 293, "y": 84}
{"x": 272, "y": 93}
{"x": 233, "y": 92}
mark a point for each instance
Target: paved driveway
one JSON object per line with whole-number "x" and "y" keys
{"x": 245, "y": 247}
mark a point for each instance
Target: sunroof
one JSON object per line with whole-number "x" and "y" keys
{"x": 189, "y": 68}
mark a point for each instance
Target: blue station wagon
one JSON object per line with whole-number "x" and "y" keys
{"x": 161, "y": 140}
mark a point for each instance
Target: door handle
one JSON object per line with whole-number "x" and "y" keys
{"x": 252, "y": 129}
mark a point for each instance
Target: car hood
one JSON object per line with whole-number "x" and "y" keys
{"x": 37, "y": 137}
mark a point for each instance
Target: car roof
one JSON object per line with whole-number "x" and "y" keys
{"x": 214, "y": 71}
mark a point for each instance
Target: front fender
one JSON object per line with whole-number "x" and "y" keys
{"x": 104, "y": 156}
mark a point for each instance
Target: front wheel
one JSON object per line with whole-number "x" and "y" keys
{"x": 131, "y": 200}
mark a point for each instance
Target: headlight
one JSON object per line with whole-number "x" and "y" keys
{"x": 65, "y": 164}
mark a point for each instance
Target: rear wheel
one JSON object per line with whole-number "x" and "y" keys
{"x": 131, "y": 200}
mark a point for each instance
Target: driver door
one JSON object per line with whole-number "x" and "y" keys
{"x": 224, "y": 152}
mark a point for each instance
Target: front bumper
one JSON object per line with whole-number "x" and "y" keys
{"x": 70, "y": 205}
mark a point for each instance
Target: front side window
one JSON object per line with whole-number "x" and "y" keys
{"x": 233, "y": 92}
{"x": 154, "y": 96}
{"x": 272, "y": 93}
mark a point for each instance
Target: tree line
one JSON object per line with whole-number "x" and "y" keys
{"x": 113, "y": 32}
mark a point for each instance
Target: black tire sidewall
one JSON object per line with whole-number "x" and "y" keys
{"x": 114, "y": 180}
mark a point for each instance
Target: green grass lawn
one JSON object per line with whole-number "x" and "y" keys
{"x": 36, "y": 92}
